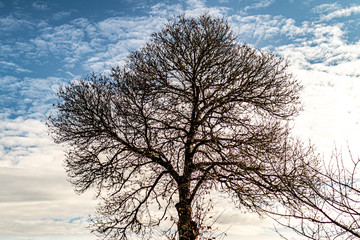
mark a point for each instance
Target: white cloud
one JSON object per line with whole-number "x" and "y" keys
{"x": 13, "y": 66}
{"x": 20, "y": 138}
{"x": 197, "y": 7}
{"x": 331, "y": 111}
{"x": 164, "y": 10}
{"x": 341, "y": 13}
{"x": 62, "y": 42}
{"x": 116, "y": 28}
{"x": 327, "y": 7}
{"x": 310, "y": 43}
{"x": 324, "y": 47}
{"x": 10, "y": 23}
{"x": 110, "y": 40}
{"x": 258, "y": 29}
{"x": 196, "y": 3}
{"x": 40, "y": 5}
{"x": 326, "y": 64}
{"x": 62, "y": 38}
{"x": 50, "y": 217}
{"x": 35, "y": 198}
{"x": 237, "y": 223}
{"x": 30, "y": 97}
{"x": 259, "y": 4}
{"x": 62, "y": 14}
{"x": 122, "y": 35}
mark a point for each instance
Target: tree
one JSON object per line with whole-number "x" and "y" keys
{"x": 190, "y": 111}
{"x": 330, "y": 210}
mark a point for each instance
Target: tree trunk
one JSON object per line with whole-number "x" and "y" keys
{"x": 188, "y": 229}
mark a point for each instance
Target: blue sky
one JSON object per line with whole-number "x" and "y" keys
{"x": 46, "y": 43}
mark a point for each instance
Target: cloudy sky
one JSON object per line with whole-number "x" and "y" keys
{"x": 46, "y": 43}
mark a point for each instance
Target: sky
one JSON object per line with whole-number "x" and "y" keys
{"x": 44, "y": 44}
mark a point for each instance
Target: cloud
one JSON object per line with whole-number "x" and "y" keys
{"x": 62, "y": 39}
{"x": 22, "y": 137}
{"x": 324, "y": 47}
{"x": 331, "y": 111}
{"x": 62, "y": 14}
{"x": 110, "y": 39}
{"x": 13, "y": 67}
{"x": 265, "y": 30}
{"x": 305, "y": 44}
{"x": 259, "y": 4}
{"x": 195, "y": 8}
{"x": 124, "y": 34}
{"x": 40, "y": 5}
{"x": 326, "y": 8}
{"x": 346, "y": 12}
{"x": 50, "y": 217}
{"x": 28, "y": 97}
{"x": 35, "y": 198}
{"x": 235, "y": 223}
{"x": 11, "y": 23}
{"x": 324, "y": 61}
{"x": 164, "y": 10}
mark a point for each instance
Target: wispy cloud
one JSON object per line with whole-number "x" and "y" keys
{"x": 324, "y": 61}
{"x": 346, "y": 12}
{"x": 259, "y": 4}
{"x": 66, "y": 42}
{"x": 13, "y": 66}
{"x": 327, "y": 7}
{"x": 309, "y": 45}
{"x": 266, "y": 30}
{"x": 11, "y": 23}
{"x": 110, "y": 39}
{"x": 40, "y": 5}
{"x": 29, "y": 97}
{"x": 164, "y": 10}
{"x": 62, "y": 14}
{"x": 324, "y": 47}
{"x": 198, "y": 7}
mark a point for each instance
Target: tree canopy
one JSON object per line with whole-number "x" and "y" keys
{"x": 192, "y": 110}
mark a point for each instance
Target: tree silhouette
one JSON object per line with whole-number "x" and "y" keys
{"x": 190, "y": 111}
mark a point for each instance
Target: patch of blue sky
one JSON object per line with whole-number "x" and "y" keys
{"x": 65, "y": 220}
{"x": 76, "y": 219}
{"x": 50, "y": 219}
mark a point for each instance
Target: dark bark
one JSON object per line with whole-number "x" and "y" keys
{"x": 188, "y": 229}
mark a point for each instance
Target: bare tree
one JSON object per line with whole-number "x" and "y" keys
{"x": 190, "y": 111}
{"x": 330, "y": 210}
